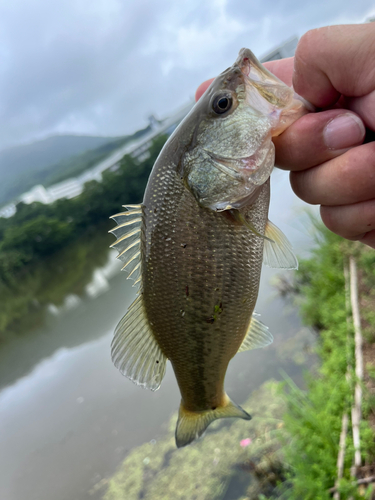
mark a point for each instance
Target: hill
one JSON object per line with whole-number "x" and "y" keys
{"x": 52, "y": 160}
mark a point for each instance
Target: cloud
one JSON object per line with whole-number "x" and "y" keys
{"x": 102, "y": 66}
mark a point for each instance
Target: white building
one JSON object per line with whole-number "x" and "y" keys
{"x": 37, "y": 193}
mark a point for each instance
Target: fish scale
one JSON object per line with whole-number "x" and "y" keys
{"x": 195, "y": 245}
{"x": 220, "y": 264}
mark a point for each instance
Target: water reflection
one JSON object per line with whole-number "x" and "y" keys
{"x": 68, "y": 418}
{"x": 100, "y": 280}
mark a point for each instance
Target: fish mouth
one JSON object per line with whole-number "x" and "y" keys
{"x": 243, "y": 61}
{"x": 253, "y": 70}
{"x": 243, "y": 65}
{"x": 285, "y": 106}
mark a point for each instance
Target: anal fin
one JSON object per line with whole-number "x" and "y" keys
{"x": 257, "y": 336}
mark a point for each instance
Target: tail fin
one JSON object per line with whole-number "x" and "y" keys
{"x": 191, "y": 425}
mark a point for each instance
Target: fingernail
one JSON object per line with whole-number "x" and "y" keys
{"x": 344, "y": 131}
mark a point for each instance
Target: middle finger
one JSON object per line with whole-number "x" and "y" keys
{"x": 347, "y": 179}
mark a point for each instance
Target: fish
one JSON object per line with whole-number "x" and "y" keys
{"x": 196, "y": 244}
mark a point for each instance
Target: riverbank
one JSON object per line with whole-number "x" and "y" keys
{"x": 314, "y": 420}
{"x": 49, "y": 251}
{"x": 236, "y": 459}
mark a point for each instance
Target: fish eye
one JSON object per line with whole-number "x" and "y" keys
{"x": 221, "y": 104}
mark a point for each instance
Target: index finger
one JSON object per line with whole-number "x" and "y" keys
{"x": 335, "y": 60}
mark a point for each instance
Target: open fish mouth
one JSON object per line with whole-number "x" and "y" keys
{"x": 278, "y": 101}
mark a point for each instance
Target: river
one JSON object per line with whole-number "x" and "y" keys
{"x": 68, "y": 417}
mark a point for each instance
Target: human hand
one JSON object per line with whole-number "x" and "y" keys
{"x": 329, "y": 163}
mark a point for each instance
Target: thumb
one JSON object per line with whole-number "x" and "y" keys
{"x": 318, "y": 137}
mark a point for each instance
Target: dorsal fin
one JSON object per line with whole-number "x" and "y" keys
{"x": 128, "y": 243}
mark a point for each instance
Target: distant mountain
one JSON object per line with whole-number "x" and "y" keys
{"x": 52, "y": 160}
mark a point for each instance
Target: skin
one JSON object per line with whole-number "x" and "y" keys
{"x": 333, "y": 165}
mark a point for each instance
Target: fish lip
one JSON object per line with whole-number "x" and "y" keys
{"x": 243, "y": 61}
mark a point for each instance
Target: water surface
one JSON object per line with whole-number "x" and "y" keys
{"x": 68, "y": 417}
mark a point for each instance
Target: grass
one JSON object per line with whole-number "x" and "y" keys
{"x": 313, "y": 418}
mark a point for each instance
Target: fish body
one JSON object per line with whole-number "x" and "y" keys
{"x": 197, "y": 242}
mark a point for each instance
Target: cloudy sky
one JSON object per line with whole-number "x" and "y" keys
{"x": 102, "y": 66}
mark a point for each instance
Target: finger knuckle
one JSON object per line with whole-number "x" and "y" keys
{"x": 301, "y": 185}
{"x": 306, "y": 44}
{"x": 329, "y": 218}
{"x": 306, "y": 39}
{"x": 333, "y": 219}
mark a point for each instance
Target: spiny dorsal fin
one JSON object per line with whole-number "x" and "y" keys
{"x": 257, "y": 335}
{"x": 191, "y": 425}
{"x": 128, "y": 243}
{"x": 278, "y": 253}
{"x": 135, "y": 351}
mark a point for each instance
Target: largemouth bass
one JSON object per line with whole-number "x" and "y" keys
{"x": 196, "y": 244}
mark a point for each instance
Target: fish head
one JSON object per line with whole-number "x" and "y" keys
{"x": 231, "y": 154}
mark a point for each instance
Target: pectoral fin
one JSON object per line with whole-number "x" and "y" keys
{"x": 277, "y": 251}
{"x": 242, "y": 220}
{"x": 257, "y": 336}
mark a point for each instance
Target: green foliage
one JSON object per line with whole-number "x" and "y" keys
{"x": 26, "y": 294}
{"x": 37, "y": 237}
{"x": 37, "y": 232}
{"x": 313, "y": 419}
{"x": 314, "y": 422}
